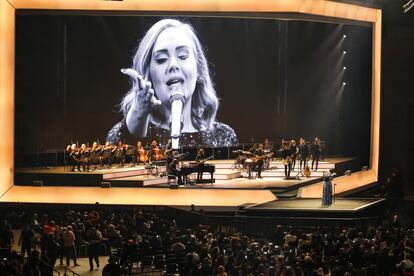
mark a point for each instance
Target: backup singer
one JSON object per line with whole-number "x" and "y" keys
{"x": 171, "y": 58}
{"x": 259, "y": 154}
{"x": 315, "y": 152}
{"x": 286, "y": 160}
{"x": 303, "y": 153}
{"x": 293, "y": 152}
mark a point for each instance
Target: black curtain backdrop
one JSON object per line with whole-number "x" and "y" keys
{"x": 275, "y": 78}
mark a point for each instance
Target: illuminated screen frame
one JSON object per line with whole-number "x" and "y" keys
{"x": 325, "y": 9}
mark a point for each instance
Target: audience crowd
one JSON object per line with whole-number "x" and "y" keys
{"x": 150, "y": 240}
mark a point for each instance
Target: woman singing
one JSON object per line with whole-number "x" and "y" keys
{"x": 170, "y": 58}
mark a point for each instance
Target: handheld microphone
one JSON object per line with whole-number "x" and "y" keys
{"x": 177, "y": 100}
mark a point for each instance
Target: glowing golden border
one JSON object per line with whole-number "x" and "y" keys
{"x": 6, "y": 95}
{"x": 314, "y": 7}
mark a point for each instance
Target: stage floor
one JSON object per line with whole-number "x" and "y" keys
{"x": 139, "y": 186}
{"x": 314, "y": 205}
{"x": 141, "y": 196}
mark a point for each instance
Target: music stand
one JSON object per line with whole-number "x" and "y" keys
{"x": 236, "y": 165}
{"x": 300, "y": 172}
{"x": 152, "y": 169}
{"x": 251, "y": 170}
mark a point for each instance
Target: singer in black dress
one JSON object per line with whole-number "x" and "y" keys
{"x": 170, "y": 58}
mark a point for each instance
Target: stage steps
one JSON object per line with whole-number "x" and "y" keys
{"x": 230, "y": 164}
{"x": 138, "y": 181}
{"x": 291, "y": 194}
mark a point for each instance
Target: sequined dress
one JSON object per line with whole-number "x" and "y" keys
{"x": 219, "y": 135}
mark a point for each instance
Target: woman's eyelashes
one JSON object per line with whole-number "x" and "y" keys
{"x": 183, "y": 54}
{"x": 162, "y": 58}
{"x": 183, "y": 57}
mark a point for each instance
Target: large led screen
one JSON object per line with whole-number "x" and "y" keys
{"x": 85, "y": 78}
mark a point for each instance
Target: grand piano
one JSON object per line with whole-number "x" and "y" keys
{"x": 194, "y": 167}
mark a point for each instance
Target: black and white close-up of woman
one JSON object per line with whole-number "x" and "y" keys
{"x": 170, "y": 58}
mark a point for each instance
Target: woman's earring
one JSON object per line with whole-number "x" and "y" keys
{"x": 199, "y": 79}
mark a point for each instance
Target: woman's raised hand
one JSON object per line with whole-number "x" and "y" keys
{"x": 145, "y": 98}
{"x": 142, "y": 105}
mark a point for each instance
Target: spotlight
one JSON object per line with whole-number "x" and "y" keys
{"x": 344, "y": 83}
{"x": 365, "y": 168}
{"x": 344, "y": 67}
{"x": 344, "y": 52}
{"x": 348, "y": 172}
{"x": 344, "y": 36}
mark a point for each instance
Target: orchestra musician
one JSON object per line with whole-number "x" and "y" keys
{"x": 293, "y": 153}
{"x": 95, "y": 154}
{"x": 303, "y": 153}
{"x": 168, "y": 148}
{"x": 74, "y": 158}
{"x": 315, "y": 152}
{"x": 130, "y": 154}
{"x": 108, "y": 153}
{"x": 286, "y": 160}
{"x": 68, "y": 159}
{"x": 142, "y": 156}
{"x": 84, "y": 158}
{"x": 200, "y": 159}
{"x": 120, "y": 151}
{"x": 155, "y": 152}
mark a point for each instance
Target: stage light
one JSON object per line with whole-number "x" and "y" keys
{"x": 344, "y": 52}
{"x": 344, "y": 68}
{"x": 344, "y": 36}
{"x": 344, "y": 83}
{"x": 365, "y": 168}
{"x": 348, "y": 172}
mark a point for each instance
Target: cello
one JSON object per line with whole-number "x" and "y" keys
{"x": 142, "y": 155}
{"x": 156, "y": 155}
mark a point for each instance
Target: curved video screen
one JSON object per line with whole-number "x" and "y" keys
{"x": 206, "y": 81}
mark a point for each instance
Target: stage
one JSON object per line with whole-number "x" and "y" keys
{"x": 230, "y": 192}
{"x": 227, "y": 175}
